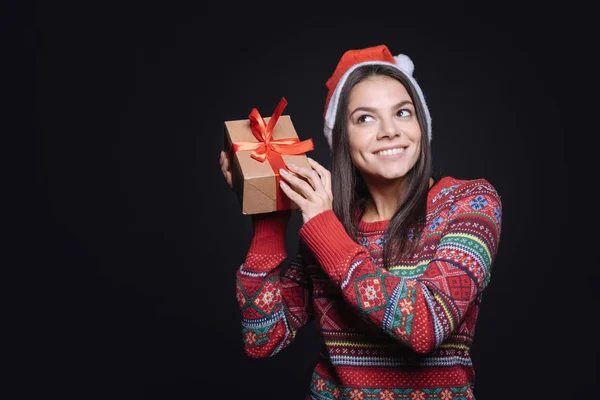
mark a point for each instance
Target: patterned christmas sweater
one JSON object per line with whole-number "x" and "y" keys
{"x": 404, "y": 332}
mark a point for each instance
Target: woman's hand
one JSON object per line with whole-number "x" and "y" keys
{"x": 226, "y": 168}
{"x": 312, "y": 194}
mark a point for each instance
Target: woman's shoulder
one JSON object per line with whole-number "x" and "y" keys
{"x": 450, "y": 185}
{"x": 447, "y": 181}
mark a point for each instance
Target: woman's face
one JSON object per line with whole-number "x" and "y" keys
{"x": 383, "y": 131}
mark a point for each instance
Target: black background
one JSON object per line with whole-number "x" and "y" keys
{"x": 131, "y": 239}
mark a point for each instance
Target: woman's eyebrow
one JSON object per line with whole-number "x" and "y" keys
{"x": 372, "y": 110}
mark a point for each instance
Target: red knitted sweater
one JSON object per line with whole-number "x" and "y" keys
{"x": 399, "y": 333}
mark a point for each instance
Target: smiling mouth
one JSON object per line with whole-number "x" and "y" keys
{"x": 391, "y": 152}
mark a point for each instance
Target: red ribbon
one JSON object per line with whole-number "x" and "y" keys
{"x": 269, "y": 149}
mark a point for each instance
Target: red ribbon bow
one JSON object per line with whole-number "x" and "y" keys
{"x": 271, "y": 149}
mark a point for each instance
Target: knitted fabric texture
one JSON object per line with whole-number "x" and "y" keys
{"x": 399, "y": 333}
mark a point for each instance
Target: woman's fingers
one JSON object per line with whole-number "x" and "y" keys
{"x": 298, "y": 184}
{"x": 224, "y": 162}
{"x": 311, "y": 176}
{"x": 308, "y": 189}
{"x": 293, "y": 195}
{"x": 324, "y": 175}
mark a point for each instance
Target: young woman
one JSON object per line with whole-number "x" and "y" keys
{"x": 392, "y": 263}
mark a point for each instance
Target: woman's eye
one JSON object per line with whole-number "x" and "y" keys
{"x": 363, "y": 119}
{"x": 404, "y": 113}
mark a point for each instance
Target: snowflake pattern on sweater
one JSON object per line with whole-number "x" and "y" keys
{"x": 399, "y": 333}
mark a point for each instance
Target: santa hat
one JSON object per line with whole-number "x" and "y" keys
{"x": 352, "y": 59}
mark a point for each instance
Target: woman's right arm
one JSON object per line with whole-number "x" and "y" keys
{"x": 273, "y": 306}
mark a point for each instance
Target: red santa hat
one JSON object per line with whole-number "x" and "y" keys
{"x": 351, "y": 60}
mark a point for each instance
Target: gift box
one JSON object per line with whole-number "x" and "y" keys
{"x": 258, "y": 147}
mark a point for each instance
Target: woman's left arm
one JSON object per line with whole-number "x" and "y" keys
{"x": 420, "y": 312}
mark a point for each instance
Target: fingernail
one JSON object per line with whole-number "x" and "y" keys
{"x": 282, "y": 184}
{"x": 283, "y": 171}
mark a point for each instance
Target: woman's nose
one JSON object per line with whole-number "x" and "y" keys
{"x": 388, "y": 128}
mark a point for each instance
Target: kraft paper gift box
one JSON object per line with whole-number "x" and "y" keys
{"x": 257, "y": 148}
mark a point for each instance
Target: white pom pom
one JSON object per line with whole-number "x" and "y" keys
{"x": 405, "y": 63}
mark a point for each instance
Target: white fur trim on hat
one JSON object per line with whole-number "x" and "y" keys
{"x": 403, "y": 63}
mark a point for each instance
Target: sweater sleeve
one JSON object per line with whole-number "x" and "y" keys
{"x": 420, "y": 312}
{"x": 274, "y": 304}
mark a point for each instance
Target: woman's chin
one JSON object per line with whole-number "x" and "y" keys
{"x": 387, "y": 176}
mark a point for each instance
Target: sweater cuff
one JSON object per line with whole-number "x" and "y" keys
{"x": 326, "y": 237}
{"x": 269, "y": 233}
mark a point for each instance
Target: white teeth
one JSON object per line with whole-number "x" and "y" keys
{"x": 390, "y": 151}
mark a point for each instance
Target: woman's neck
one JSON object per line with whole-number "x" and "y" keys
{"x": 384, "y": 201}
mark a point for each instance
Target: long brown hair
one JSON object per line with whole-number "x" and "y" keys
{"x": 350, "y": 192}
